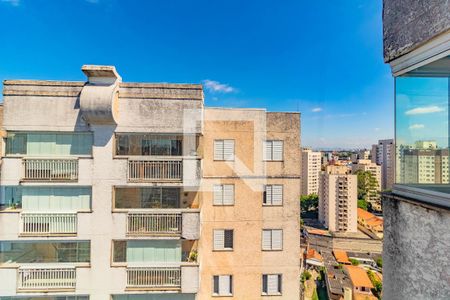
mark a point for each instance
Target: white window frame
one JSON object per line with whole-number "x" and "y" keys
{"x": 223, "y": 194}
{"x": 220, "y": 149}
{"x": 272, "y": 240}
{"x": 271, "y": 198}
{"x": 269, "y": 153}
{"x": 221, "y": 281}
{"x": 278, "y": 278}
{"x": 219, "y": 240}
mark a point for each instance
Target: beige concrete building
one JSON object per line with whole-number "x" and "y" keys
{"x": 373, "y": 195}
{"x": 311, "y": 167}
{"x": 113, "y": 190}
{"x": 338, "y": 199}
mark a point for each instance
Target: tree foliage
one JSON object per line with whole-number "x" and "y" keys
{"x": 309, "y": 202}
{"x": 363, "y": 204}
{"x": 354, "y": 262}
{"x": 378, "y": 285}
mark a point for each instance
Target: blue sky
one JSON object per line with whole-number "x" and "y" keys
{"x": 322, "y": 58}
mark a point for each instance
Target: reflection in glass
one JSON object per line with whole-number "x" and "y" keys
{"x": 422, "y": 128}
{"x": 148, "y": 144}
{"x": 147, "y": 197}
{"x": 44, "y": 252}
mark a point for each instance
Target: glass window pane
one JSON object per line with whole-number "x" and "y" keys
{"x": 422, "y": 128}
{"x": 44, "y": 252}
{"x": 148, "y": 197}
{"x": 148, "y": 144}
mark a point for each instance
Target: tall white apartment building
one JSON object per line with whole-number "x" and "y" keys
{"x": 383, "y": 154}
{"x": 373, "y": 195}
{"x": 112, "y": 190}
{"x": 338, "y": 199}
{"x": 311, "y": 167}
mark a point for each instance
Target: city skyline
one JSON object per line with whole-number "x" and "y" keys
{"x": 257, "y": 60}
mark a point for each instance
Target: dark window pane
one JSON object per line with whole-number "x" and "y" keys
{"x": 216, "y": 284}
{"x": 264, "y": 283}
{"x": 119, "y": 251}
{"x": 228, "y": 239}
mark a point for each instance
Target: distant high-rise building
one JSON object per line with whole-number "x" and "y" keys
{"x": 373, "y": 195}
{"x": 383, "y": 154}
{"x": 311, "y": 166}
{"x": 338, "y": 199}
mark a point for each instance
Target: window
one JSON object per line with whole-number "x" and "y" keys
{"x": 273, "y": 150}
{"x": 45, "y": 198}
{"x": 272, "y": 239}
{"x": 223, "y": 239}
{"x": 273, "y": 195}
{"x": 149, "y": 144}
{"x": 149, "y": 251}
{"x": 271, "y": 284}
{"x": 223, "y": 149}
{"x": 146, "y": 197}
{"x": 49, "y": 144}
{"x": 222, "y": 285}
{"x": 44, "y": 252}
{"x": 223, "y": 194}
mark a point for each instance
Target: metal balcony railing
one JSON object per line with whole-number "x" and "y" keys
{"x": 154, "y": 170}
{"x": 48, "y": 223}
{"x": 30, "y": 278}
{"x": 154, "y": 277}
{"x": 154, "y": 223}
{"x": 46, "y": 169}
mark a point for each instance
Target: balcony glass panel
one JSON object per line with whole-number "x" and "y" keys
{"x": 422, "y": 127}
{"x": 49, "y": 144}
{"x": 148, "y": 251}
{"x": 43, "y": 198}
{"x": 44, "y": 252}
{"x": 147, "y": 197}
{"x": 148, "y": 144}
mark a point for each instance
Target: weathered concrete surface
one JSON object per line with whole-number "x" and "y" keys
{"x": 416, "y": 260}
{"x": 408, "y": 24}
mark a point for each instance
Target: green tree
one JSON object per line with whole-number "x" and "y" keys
{"x": 354, "y": 262}
{"x": 367, "y": 186}
{"x": 309, "y": 202}
{"x": 378, "y": 286}
{"x": 379, "y": 262}
{"x": 305, "y": 276}
{"x": 363, "y": 204}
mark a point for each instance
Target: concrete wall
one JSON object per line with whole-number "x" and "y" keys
{"x": 247, "y": 217}
{"x": 415, "y": 250}
{"x": 408, "y": 24}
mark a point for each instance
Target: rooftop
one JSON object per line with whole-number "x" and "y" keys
{"x": 341, "y": 257}
{"x": 358, "y": 276}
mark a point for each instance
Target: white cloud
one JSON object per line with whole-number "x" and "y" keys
{"x": 376, "y": 129}
{"x": 316, "y": 109}
{"x": 12, "y": 2}
{"x": 215, "y": 86}
{"x": 416, "y": 126}
{"x": 424, "y": 110}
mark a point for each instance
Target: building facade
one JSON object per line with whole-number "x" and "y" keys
{"x": 338, "y": 199}
{"x": 113, "y": 190}
{"x": 416, "y": 262}
{"x": 383, "y": 154}
{"x": 311, "y": 167}
{"x": 373, "y": 194}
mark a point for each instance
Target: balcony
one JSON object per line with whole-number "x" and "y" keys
{"x": 184, "y": 223}
{"x": 150, "y": 169}
{"x": 45, "y": 224}
{"x": 46, "y": 279}
{"x": 183, "y": 278}
{"x": 46, "y": 169}
{"x": 154, "y": 277}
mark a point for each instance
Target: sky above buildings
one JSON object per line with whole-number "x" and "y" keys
{"x": 322, "y": 58}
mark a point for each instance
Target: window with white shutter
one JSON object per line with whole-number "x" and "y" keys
{"x": 223, "y": 194}
{"x": 273, "y": 194}
{"x": 273, "y": 150}
{"x": 271, "y": 284}
{"x": 223, "y": 239}
{"x": 222, "y": 285}
{"x": 272, "y": 239}
{"x": 223, "y": 149}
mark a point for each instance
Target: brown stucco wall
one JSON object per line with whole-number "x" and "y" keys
{"x": 247, "y": 217}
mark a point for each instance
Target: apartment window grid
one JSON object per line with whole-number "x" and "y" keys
{"x": 223, "y": 239}
{"x": 223, "y": 194}
{"x": 273, "y": 195}
{"x": 273, "y": 150}
{"x": 224, "y": 150}
{"x": 222, "y": 285}
{"x": 272, "y": 284}
{"x": 272, "y": 239}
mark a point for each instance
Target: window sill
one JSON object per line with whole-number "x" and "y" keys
{"x": 226, "y": 295}
{"x": 223, "y": 250}
{"x": 272, "y": 205}
{"x": 275, "y": 294}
